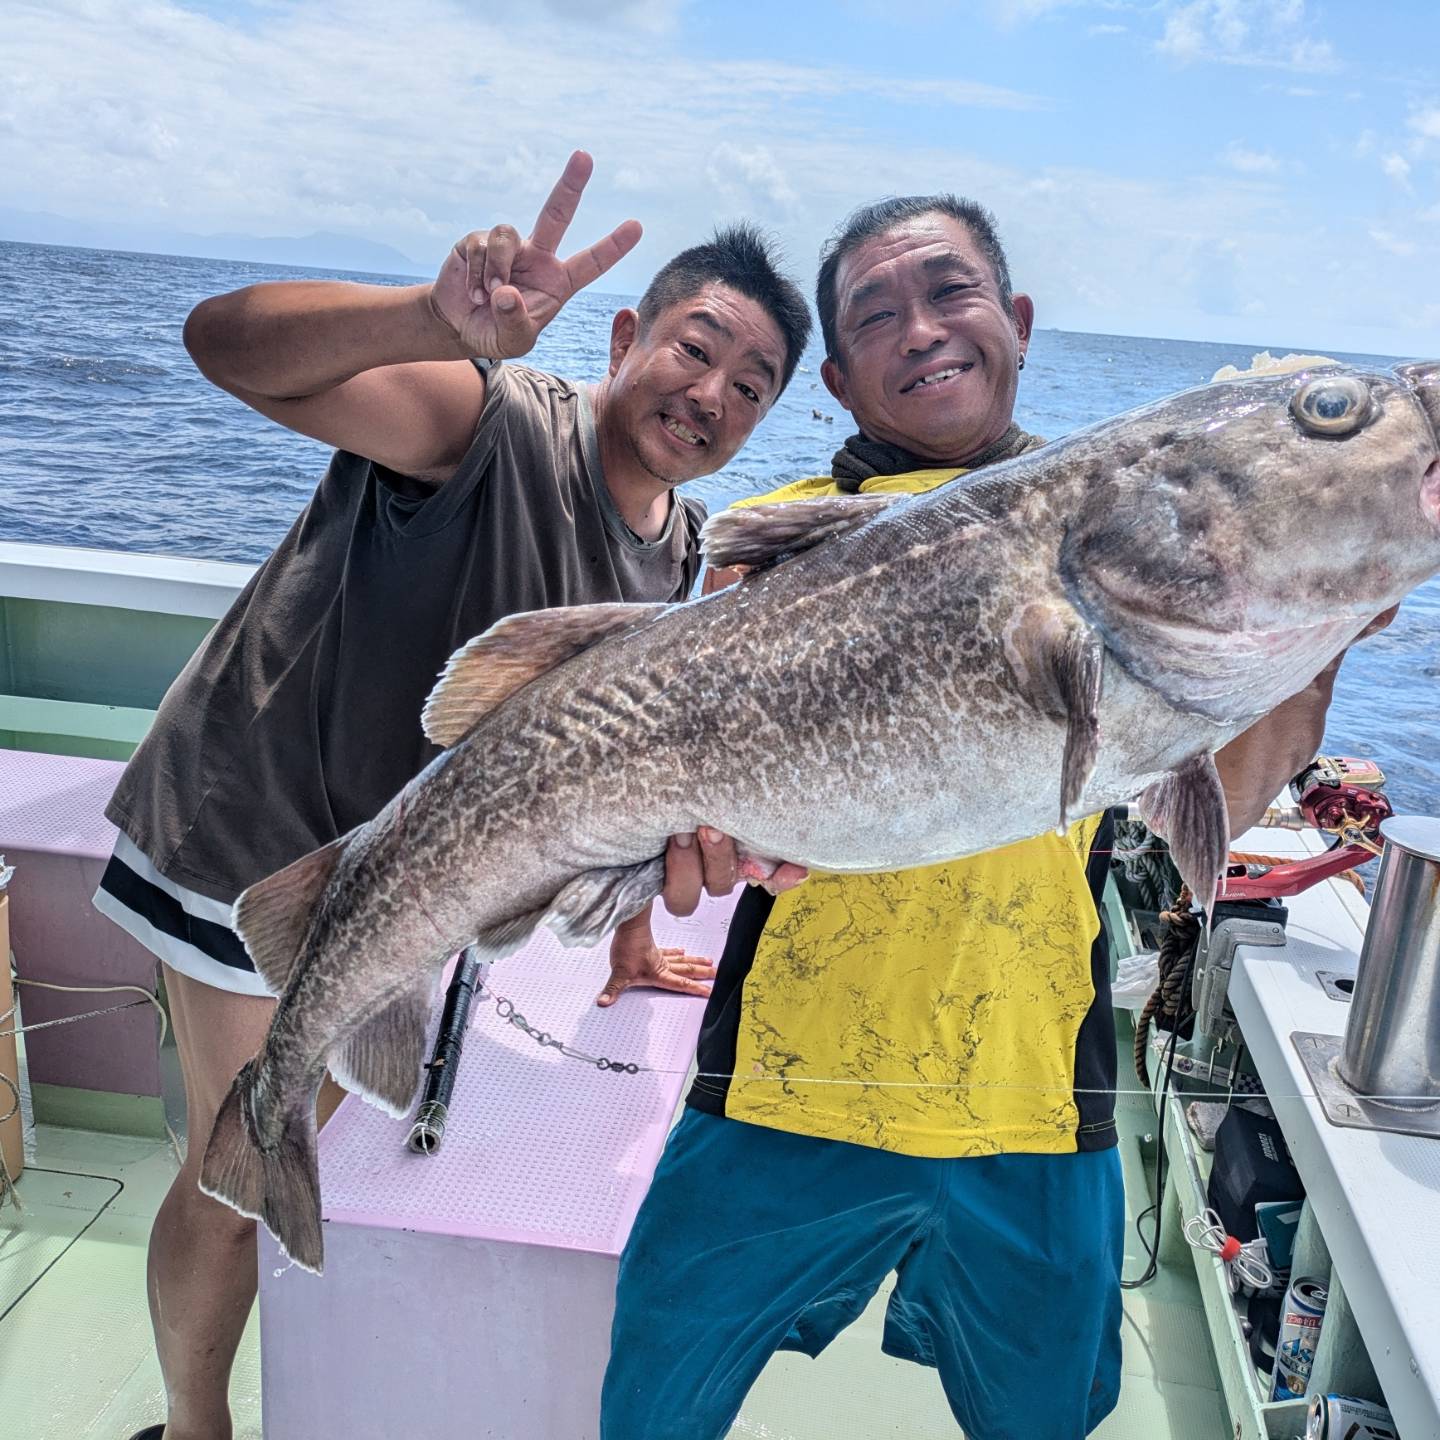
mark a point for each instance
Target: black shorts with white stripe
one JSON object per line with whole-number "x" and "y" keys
{"x": 190, "y": 932}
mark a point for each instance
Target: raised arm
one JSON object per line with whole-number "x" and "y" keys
{"x": 385, "y": 371}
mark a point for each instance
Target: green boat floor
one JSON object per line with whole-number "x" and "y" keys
{"x": 77, "y": 1363}
{"x": 58, "y": 1207}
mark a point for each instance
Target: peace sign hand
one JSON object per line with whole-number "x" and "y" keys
{"x": 497, "y": 292}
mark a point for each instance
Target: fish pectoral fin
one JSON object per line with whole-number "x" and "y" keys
{"x": 760, "y": 535}
{"x": 595, "y": 902}
{"x": 513, "y": 652}
{"x": 1079, "y": 667}
{"x": 1060, "y": 662}
{"x": 1187, "y": 809}
{"x": 504, "y": 937}
{"x": 381, "y": 1061}
{"x": 272, "y": 916}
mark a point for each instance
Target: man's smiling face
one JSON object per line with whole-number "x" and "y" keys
{"x": 688, "y": 389}
{"x": 928, "y": 355}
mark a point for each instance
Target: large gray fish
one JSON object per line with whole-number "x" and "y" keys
{"x": 1080, "y": 625}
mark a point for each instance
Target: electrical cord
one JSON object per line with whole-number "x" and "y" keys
{"x": 1152, "y": 1246}
{"x": 1243, "y": 1263}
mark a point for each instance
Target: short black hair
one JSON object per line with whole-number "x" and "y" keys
{"x": 871, "y": 220}
{"x": 741, "y": 257}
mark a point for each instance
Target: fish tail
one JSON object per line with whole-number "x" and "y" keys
{"x": 277, "y": 1184}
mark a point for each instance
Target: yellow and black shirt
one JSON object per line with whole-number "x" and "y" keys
{"x": 959, "y": 1009}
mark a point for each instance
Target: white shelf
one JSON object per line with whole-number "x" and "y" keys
{"x": 1375, "y": 1195}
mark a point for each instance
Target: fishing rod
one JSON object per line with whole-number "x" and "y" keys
{"x": 428, "y": 1130}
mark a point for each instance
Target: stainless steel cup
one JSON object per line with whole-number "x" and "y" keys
{"x": 1391, "y": 1052}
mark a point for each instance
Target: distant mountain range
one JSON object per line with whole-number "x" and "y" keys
{"x": 321, "y": 250}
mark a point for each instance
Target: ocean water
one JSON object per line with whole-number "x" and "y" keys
{"x": 110, "y": 438}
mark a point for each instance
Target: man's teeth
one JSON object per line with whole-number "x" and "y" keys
{"x": 683, "y": 432}
{"x": 940, "y": 375}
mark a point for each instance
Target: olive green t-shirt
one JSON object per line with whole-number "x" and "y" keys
{"x": 299, "y": 716}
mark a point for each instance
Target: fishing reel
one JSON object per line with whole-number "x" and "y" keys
{"x": 1335, "y": 794}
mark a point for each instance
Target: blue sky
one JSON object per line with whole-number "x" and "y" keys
{"x": 1262, "y": 171}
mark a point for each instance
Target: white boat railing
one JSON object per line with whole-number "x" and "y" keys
{"x": 157, "y": 584}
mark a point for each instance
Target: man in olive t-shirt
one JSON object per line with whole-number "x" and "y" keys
{"x": 462, "y": 490}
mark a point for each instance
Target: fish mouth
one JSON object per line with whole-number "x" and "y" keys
{"x": 1124, "y": 605}
{"x": 1238, "y": 631}
{"x": 937, "y": 376}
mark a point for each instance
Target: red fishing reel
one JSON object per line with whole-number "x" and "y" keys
{"x": 1336, "y": 794}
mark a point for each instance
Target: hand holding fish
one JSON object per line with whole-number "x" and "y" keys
{"x": 497, "y": 292}
{"x": 714, "y": 866}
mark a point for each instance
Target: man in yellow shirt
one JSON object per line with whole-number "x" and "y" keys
{"x": 913, "y": 1071}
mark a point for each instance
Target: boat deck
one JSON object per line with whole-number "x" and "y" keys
{"x": 77, "y": 1363}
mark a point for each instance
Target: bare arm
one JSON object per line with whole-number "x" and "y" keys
{"x": 385, "y": 371}
{"x": 1256, "y": 765}
{"x": 366, "y": 368}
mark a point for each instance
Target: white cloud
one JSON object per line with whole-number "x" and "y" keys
{"x": 631, "y": 180}
{"x": 1010, "y": 13}
{"x": 1234, "y": 32}
{"x": 750, "y": 179}
{"x": 1426, "y": 122}
{"x": 1397, "y": 167}
{"x": 1251, "y": 162}
{"x": 335, "y": 116}
{"x": 1184, "y": 39}
{"x": 1395, "y": 244}
{"x": 652, "y": 15}
{"x": 1017, "y": 12}
{"x": 1313, "y": 56}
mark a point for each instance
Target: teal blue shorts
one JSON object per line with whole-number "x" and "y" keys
{"x": 753, "y": 1240}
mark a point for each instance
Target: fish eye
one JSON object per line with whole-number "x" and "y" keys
{"x": 1335, "y": 405}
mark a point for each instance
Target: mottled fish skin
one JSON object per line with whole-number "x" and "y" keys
{"x": 888, "y": 698}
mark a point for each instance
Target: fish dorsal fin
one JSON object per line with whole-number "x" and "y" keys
{"x": 758, "y": 535}
{"x": 1060, "y": 662}
{"x": 510, "y": 654}
{"x": 272, "y": 916}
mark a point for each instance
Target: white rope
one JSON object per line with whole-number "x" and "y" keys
{"x": 90, "y": 1014}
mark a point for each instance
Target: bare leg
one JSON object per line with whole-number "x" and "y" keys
{"x": 202, "y": 1267}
